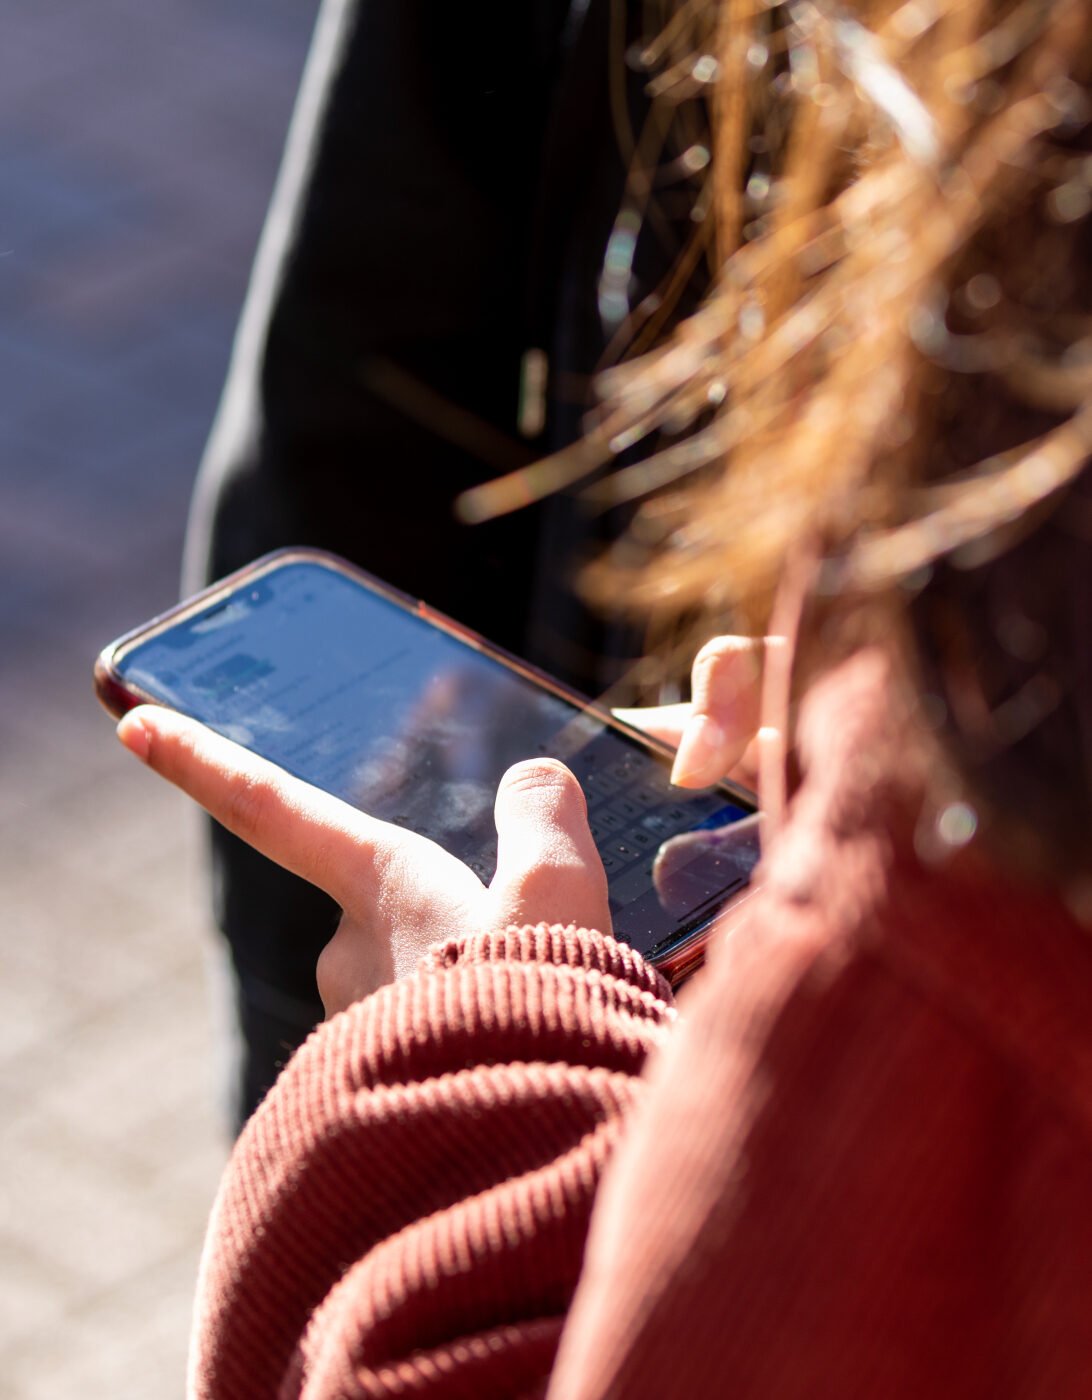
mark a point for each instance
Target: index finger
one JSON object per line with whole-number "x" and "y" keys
{"x": 725, "y": 688}
{"x": 307, "y": 831}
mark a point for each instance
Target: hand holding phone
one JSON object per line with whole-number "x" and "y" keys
{"x": 399, "y": 891}
{"x": 400, "y": 713}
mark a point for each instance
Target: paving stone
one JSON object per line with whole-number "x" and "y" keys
{"x": 126, "y": 1343}
{"x": 138, "y": 146}
{"x": 31, "y": 1014}
{"x": 32, "y": 1295}
{"x": 79, "y": 1211}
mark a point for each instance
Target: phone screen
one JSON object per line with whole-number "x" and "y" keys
{"x": 354, "y": 693}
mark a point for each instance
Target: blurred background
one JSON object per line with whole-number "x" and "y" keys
{"x": 139, "y": 140}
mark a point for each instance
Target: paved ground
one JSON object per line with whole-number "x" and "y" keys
{"x": 138, "y": 141}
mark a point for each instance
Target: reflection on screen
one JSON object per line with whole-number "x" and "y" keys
{"x": 353, "y": 693}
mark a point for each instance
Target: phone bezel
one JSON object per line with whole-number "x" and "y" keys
{"x": 119, "y": 695}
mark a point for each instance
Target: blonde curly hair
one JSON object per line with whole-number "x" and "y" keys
{"x": 897, "y": 200}
{"x": 891, "y": 374}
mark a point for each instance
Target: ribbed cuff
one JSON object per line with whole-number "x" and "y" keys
{"x": 561, "y": 945}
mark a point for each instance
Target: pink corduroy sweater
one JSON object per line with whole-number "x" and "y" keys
{"x": 858, "y": 1164}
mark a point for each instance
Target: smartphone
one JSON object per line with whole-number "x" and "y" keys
{"x": 356, "y": 688}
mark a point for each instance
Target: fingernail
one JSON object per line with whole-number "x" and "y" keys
{"x": 699, "y": 759}
{"x": 135, "y": 737}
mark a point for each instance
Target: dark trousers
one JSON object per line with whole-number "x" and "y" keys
{"x": 376, "y": 374}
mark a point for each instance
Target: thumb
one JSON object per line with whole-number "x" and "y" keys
{"x": 548, "y": 868}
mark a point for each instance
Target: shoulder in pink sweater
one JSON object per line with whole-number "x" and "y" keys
{"x": 861, "y": 1163}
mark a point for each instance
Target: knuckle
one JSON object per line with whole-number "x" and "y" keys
{"x": 325, "y": 974}
{"x": 536, "y": 886}
{"x": 560, "y": 888}
{"x": 722, "y": 644}
{"x": 331, "y": 966}
{"x": 250, "y": 805}
{"x": 386, "y": 864}
{"x": 720, "y": 651}
{"x": 723, "y": 667}
{"x": 173, "y": 753}
{"x": 330, "y": 972}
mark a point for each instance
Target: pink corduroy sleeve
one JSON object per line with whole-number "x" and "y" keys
{"x": 406, "y": 1212}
